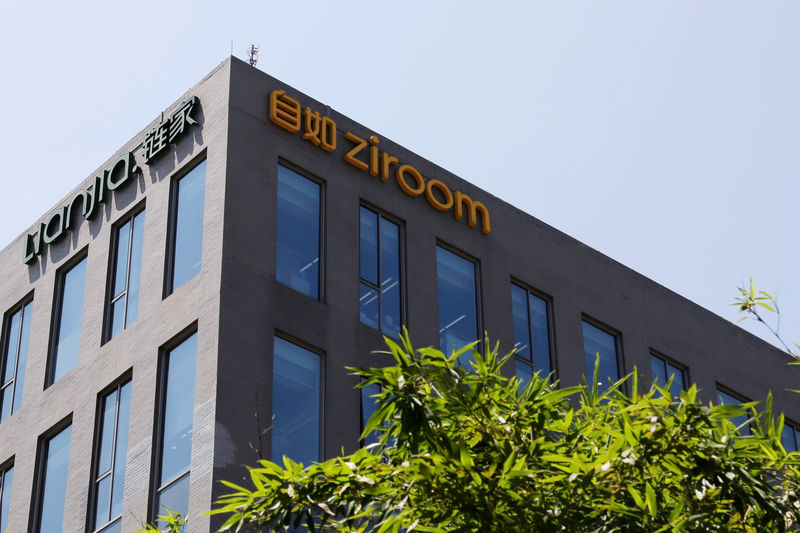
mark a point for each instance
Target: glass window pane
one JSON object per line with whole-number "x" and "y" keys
{"x": 107, "y": 433}
{"x": 390, "y": 278}
{"x": 597, "y": 342}
{"x": 121, "y": 267}
{"x": 295, "y": 403}
{"x": 67, "y": 341}
{"x": 188, "y": 236}
{"x": 176, "y": 441}
{"x": 458, "y": 303}
{"x": 174, "y": 498}
{"x": 677, "y": 381}
{"x": 121, "y": 448}
{"x": 101, "y": 515}
{"x": 22, "y": 358}
{"x": 787, "y": 438}
{"x": 519, "y": 315}
{"x": 658, "y": 370}
{"x": 723, "y": 398}
{"x": 298, "y": 232}
{"x": 11, "y": 350}
{"x": 541, "y": 334}
{"x": 135, "y": 269}
{"x": 524, "y": 371}
{"x": 54, "y": 481}
{"x": 7, "y": 398}
{"x": 114, "y": 527}
{"x": 118, "y": 316}
{"x": 368, "y": 303}
{"x": 368, "y": 246}
{"x": 368, "y": 406}
{"x": 5, "y": 496}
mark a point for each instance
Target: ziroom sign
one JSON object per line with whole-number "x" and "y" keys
{"x": 365, "y": 155}
{"x": 61, "y": 221}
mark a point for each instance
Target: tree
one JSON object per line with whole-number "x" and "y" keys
{"x": 752, "y": 302}
{"x": 471, "y": 450}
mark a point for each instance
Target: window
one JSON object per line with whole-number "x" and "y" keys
{"x": 6, "y": 475}
{"x": 369, "y": 403}
{"x": 124, "y": 298}
{"x": 18, "y": 328}
{"x": 600, "y": 343}
{"x": 662, "y": 370}
{"x": 296, "y": 405}
{"x": 186, "y": 237}
{"x": 175, "y": 431}
{"x": 790, "y": 437}
{"x": 458, "y": 301}
{"x": 67, "y": 323}
{"x": 298, "y": 232}
{"x": 52, "y": 482}
{"x": 727, "y": 398}
{"x": 110, "y": 448}
{"x": 531, "y": 333}
{"x": 379, "y": 272}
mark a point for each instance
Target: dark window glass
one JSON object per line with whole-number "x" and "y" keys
{"x": 531, "y": 333}
{"x": 124, "y": 299}
{"x": 298, "y": 232}
{"x": 597, "y": 342}
{"x": 18, "y": 327}
{"x": 6, "y": 476}
{"x": 380, "y": 292}
{"x": 662, "y": 370}
{"x": 789, "y": 438}
{"x": 110, "y": 455}
{"x": 724, "y": 398}
{"x": 187, "y": 235}
{"x": 68, "y": 321}
{"x": 458, "y": 302}
{"x": 53, "y": 482}
{"x": 175, "y": 443}
{"x": 296, "y": 386}
{"x": 368, "y": 406}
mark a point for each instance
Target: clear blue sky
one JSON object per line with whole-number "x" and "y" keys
{"x": 664, "y": 134}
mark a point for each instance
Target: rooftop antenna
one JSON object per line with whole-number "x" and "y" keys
{"x": 252, "y": 54}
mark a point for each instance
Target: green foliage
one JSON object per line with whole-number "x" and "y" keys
{"x": 753, "y": 303}
{"x": 474, "y": 451}
{"x": 173, "y": 522}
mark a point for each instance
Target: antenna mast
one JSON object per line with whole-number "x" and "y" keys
{"x": 252, "y": 54}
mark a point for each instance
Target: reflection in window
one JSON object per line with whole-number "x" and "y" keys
{"x": 18, "y": 327}
{"x": 725, "y": 398}
{"x": 379, "y": 272}
{"x": 369, "y": 403}
{"x": 68, "y": 321}
{"x": 458, "y": 302}
{"x": 6, "y": 477}
{"x": 298, "y": 232}
{"x": 599, "y": 343}
{"x": 110, "y": 451}
{"x": 52, "y": 484}
{"x": 531, "y": 333}
{"x": 296, "y": 381}
{"x": 175, "y": 443}
{"x": 187, "y": 229}
{"x": 124, "y": 299}
{"x": 663, "y": 370}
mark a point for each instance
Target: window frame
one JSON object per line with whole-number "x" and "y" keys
{"x": 617, "y": 335}
{"x": 5, "y": 382}
{"x": 157, "y": 449}
{"x": 172, "y": 221}
{"x": 795, "y": 432}
{"x": 720, "y": 388}
{"x": 401, "y": 255}
{"x": 548, "y": 300}
{"x": 321, "y": 241}
{"x": 111, "y": 275}
{"x": 672, "y": 362}
{"x": 478, "y": 293}
{"x": 116, "y": 386}
{"x": 5, "y": 467}
{"x": 279, "y": 334}
{"x": 57, "y": 310}
{"x": 42, "y": 449}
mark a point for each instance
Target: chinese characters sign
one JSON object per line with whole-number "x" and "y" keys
{"x": 169, "y": 130}
{"x": 365, "y": 155}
